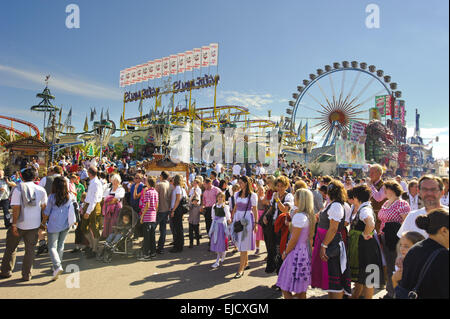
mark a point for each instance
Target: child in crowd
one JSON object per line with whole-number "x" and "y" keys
{"x": 194, "y": 220}
{"x": 408, "y": 240}
{"x": 221, "y": 217}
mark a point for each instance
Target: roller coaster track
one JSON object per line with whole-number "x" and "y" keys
{"x": 10, "y": 128}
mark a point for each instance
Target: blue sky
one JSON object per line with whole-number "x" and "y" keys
{"x": 266, "y": 48}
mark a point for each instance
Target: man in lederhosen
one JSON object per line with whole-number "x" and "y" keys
{"x": 92, "y": 212}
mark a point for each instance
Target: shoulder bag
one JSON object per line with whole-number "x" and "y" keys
{"x": 403, "y": 293}
{"x": 237, "y": 226}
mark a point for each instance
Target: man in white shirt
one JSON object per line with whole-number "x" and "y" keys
{"x": 28, "y": 203}
{"x": 402, "y": 183}
{"x": 412, "y": 197}
{"x": 90, "y": 225}
{"x": 236, "y": 169}
{"x": 431, "y": 190}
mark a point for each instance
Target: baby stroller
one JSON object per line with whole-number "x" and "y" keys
{"x": 121, "y": 240}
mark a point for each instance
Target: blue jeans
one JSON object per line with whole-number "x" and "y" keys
{"x": 4, "y": 204}
{"x": 161, "y": 220}
{"x": 113, "y": 238}
{"x": 56, "y": 247}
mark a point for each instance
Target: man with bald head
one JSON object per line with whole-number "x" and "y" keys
{"x": 378, "y": 191}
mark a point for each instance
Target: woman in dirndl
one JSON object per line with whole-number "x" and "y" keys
{"x": 245, "y": 212}
{"x": 112, "y": 204}
{"x": 330, "y": 270}
{"x": 364, "y": 253}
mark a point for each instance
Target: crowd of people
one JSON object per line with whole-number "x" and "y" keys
{"x": 319, "y": 231}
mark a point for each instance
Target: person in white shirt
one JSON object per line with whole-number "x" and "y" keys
{"x": 412, "y": 196}
{"x": 402, "y": 183}
{"x": 236, "y": 169}
{"x": 90, "y": 224}
{"x": 28, "y": 202}
{"x": 431, "y": 189}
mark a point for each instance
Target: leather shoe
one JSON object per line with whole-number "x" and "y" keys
{"x": 238, "y": 275}
{"x": 5, "y": 276}
{"x": 175, "y": 250}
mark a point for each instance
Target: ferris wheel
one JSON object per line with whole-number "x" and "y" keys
{"x": 332, "y": 98}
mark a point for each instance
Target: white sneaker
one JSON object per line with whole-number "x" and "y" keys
{"x": 57, "y": 272}
{"x": 216, "y": 264}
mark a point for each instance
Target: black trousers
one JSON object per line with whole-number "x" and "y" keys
{"x": 178, "y": 236}
{"x": 271, "y": 239}
{"x": 149, "y": 247}
{"x": 208, "y": 219}
{"x": 194, "y": 232}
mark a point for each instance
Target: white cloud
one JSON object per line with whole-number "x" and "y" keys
{"x": 256, "y": 101}
{"x": 18, "y": 78}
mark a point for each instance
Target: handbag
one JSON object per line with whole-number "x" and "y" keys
{"x": 268, "y": 214}
{"x": 237, "y": 226}
{"x": 403, "y": 293}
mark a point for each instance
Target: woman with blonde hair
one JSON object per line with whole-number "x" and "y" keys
{"x": 295, "y": 273}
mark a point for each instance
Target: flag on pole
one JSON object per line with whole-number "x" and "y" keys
{"x": 127, "y": 77}
{"x": 214, "y": 53}
{"x": 205, "y": 56}
{"x": 166, "y": 66}
{"x": 69, "y": 118}
{"x": 151, "y": 70}
{"x": 181, "y": 62}
{"x": 107, "y": 114}
{"x": 303, "y": 134}
{"x": 101, "y": 117}
{"x": 122, "y": 78}
{"x": 133, "y": 75}
{"x": 197, "y": 58}
{"x": 299, "y": 129}
{"x": 189, "y": 57}
{"x": 306, "y": 130}
{"x": 86, "y": 126}
{"x": 145, "y": 72}
{"x": 158, "y": 69}
{"x": 174, "y": 64}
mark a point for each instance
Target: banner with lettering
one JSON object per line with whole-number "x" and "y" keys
{"x": 122, "y": 79}
{"x": 181, "y": 63}
{"x": 214, "y": 53}
{"x": 174, "y": 64}
{"x": 357, "y": 131}
{"x": 151, "y": 70}
{"x": 383, "y": 103}
{"x": 158, "y": 68}
{"x": 133, "y": 75}
{"x": 189, "y": 60}
{"x": 205, "y": 56}
{"x": 197, "y": 58}
{"x": 166, "y": 66}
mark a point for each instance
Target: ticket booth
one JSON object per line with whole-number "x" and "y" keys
{"x": 25, "y": 150}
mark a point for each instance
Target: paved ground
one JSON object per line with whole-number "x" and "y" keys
{"x": 186, "y": 275}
